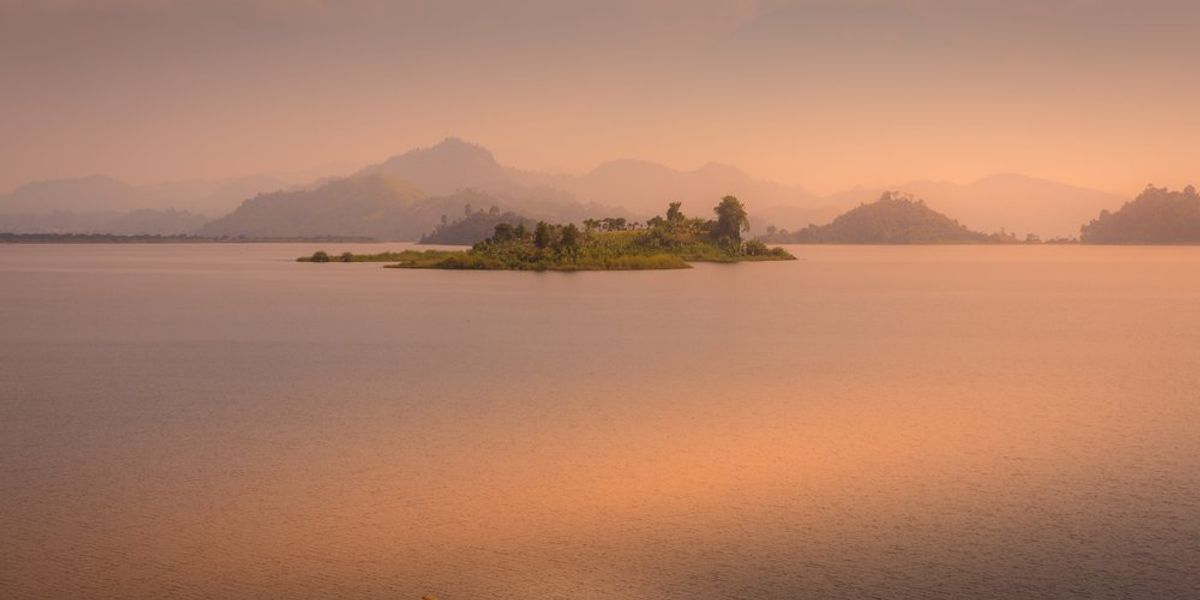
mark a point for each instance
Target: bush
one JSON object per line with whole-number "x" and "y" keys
{"x": 755, "y": 248}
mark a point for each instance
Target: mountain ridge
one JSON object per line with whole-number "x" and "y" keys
{"x": 1008, "y": 201}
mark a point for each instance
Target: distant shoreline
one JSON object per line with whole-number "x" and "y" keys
{"x": 104, "y": 238}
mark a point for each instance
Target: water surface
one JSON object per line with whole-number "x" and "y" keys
{"x": 199, "y": 421}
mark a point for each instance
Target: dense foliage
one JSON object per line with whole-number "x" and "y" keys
{"x": 1156, "y": 216}
{"x": 665, "y": 242}
{"x": 893, "y": 219}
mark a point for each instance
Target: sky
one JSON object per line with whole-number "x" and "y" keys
{"x": 827, "y": 95}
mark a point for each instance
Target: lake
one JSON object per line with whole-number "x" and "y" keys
{"x": 218, "y": 421}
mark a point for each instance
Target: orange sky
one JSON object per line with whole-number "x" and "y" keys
{"x": 824, "y": 94}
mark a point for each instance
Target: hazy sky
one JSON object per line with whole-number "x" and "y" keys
{"x": 828, "y": 95}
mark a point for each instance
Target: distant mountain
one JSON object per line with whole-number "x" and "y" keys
{"x": 474, "y": 228}
{"x": 367, "y": 205}
{"x": 136, "y": 222}
{"x": 1156, "y": 216}
{"x": 1013, "y": 203}
{"x": 102, "y": 194}
{"x": 210, "y": 197}
{"x": 646, "y": 188}
{"x": 145, "y": 221}
{"x": 451, "y": 166}
{"x": 95, "y": 193}
{"x": 381, "y": 206}
{"x": 641, "y": 189}
{"x": 893, "y": 219}
{"x": 792, "y": 217}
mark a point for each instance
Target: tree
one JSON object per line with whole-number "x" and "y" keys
{"x": 494, "y": 210}
{"x": 570, "y": 238}
{"x": 590, "y": 225}
{"x": 503, "y": 233}
{"x": 614, "y": 224}
{"x": 320, "y": 256}
{"x": 756, "y": 248}
{"x": 541, "y": 235}
{"x": 467, "y": 209}
{"x": 731, "y": 222}
{"x": 674, "y": 215}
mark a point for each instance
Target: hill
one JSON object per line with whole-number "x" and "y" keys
{"x": 369, "y": 205}
{"x": 473, "y": 228}
{"x": 103, "y": 194}
{"x": 380, "y": 206}
{"x": 1010, "y": 202}
{"x": 893, "y": 219}
{"x": 643, "y": 186}
{"x": 135, "y": 222}
{"x": 95, "y": 193}
{"x": 1156, "y": 216}
{"x": 448, "y": 167}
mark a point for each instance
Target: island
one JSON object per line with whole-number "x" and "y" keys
{"x": 1156, "y": 216}
{"x": 894, "y": 218}
{"x": 670, "y": 241}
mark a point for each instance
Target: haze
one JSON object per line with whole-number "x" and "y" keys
{"x": 821, "y": 94}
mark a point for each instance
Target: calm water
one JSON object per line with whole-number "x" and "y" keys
{"x": 218, "y": 421}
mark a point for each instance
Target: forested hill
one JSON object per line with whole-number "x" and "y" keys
{"x": 1156, "y": 216}
{"x": 474, "y": 228}
{"x": 893, "y": 219}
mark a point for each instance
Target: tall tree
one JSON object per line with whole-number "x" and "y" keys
{"x": 541, "y": 235}
{"x": 674, "y": 214}
{"x": 570, "y": 238}
{"x": 731, "y": 222}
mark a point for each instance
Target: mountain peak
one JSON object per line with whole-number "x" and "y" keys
{"x": 716, "y": 169}
{"x": 455, "y": 148}
{"x": 447, "y": 167}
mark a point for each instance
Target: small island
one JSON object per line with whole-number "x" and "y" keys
{"x": 1157, "y": 216}
{"x": 663, "y": 242}
{"x": 893, "y": 219}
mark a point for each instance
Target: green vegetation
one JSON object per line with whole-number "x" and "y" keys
{"x": 893, "y": 219}
{"x": 1156, "y": 216}
{"x": 669, "y": 242}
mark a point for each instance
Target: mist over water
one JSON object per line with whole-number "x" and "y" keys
{"x": 903, "y": 422}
